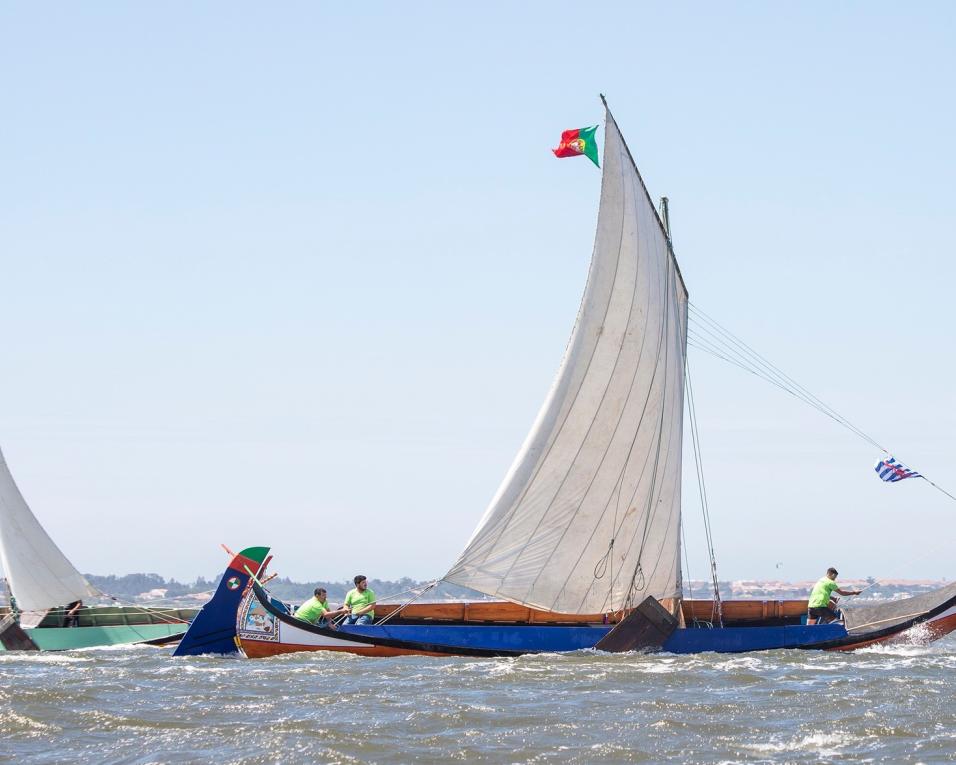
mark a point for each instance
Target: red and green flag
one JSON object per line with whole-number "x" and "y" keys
{"x": 580, "y": 142}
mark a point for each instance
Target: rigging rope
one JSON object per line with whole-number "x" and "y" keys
{"x": 159, "y": 614}
{"x": 162, "y": 615}
{"x": 417, "y": 591}
{"x": 709, "y": 336}
{"x": 426, "y": 588}
{"x": 683, "y": 539}
{"x": 717, "y": 613}
{"x": 716, "y": 339}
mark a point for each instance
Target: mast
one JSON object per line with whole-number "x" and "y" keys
{"x": 695, "y": 438}
{"x": 666, "y": 219}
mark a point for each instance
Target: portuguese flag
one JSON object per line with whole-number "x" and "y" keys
{"x": 575, "y": 143}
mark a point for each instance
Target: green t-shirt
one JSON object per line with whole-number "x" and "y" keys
{"x": 312, "y": 610}
{"x": 356, "y": 600}
{"x": 820, "y": 596}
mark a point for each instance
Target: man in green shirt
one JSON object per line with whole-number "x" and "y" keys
{"x": 361, "y": 602}
{"x": 316, "y": 610}
{"x": 819, "y": 609}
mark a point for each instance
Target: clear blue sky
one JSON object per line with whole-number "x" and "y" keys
{"x": 301, "y": 276}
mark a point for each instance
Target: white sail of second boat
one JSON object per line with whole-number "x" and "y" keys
{"x": 588, "y": 517}
{"x": 39, "y": 575}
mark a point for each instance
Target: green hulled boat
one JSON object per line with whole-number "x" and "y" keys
{"x": 100, "y": 626}
{"x": 44, "y": 590}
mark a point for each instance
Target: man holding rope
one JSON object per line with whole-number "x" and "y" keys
{"x": 821, "y": 610}
{"x": 361, "y": 602}
{"x": 316, "y": 610}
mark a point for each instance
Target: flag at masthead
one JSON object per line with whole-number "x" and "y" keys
{"x": 578, "y": 142}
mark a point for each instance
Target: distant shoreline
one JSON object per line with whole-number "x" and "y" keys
{"x": 155, "y": 589}
{"x": 147, "y": 588}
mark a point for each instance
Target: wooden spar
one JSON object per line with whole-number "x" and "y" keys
{"x": 666, "y": 216}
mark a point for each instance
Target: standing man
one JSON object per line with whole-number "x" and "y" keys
{"x": 70, "y": 619}
{"x": 820, "y": 610}
{"x": 361, "y": 602}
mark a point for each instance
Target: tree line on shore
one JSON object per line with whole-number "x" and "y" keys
{"x": 131, "y": 586}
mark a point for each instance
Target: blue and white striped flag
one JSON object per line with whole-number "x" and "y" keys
{"x": 891, "y": 471}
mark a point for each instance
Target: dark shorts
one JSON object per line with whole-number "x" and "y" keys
{"x": 822, "y": 613}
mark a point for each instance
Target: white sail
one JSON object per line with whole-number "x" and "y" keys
{"x": 588, "y": 517}
{"x": 38, "y": 574}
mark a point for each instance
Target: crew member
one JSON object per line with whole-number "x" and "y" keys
{"x": 361, "y": 602}
{"x": 70, "y": 619}
{"x": 316, "y": 610}
{"x": 821, "y": 609}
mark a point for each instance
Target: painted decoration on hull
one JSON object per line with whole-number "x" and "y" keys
{"x": 254, "y": 622}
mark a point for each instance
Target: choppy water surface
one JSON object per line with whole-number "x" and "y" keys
{"x": 139, "y": 705}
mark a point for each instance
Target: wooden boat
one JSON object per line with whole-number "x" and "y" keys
{"x": 489, "y": 628}
{"x": 582, "y": 540}
{"x": 41, "y": 581}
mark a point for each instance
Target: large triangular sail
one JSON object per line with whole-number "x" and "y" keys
{"x": 588, "y": 517}
{"x": 38, "y": 574}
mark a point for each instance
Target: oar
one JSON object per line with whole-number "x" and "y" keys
{"x": 252, "y": 576}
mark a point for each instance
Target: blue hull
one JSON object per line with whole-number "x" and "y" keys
{"x": 508, "y": 639}
{"x": 740, "y": 639}
{"x": 504, "y": 638}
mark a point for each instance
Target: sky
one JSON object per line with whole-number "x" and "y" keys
{"x": 301, "y": 276}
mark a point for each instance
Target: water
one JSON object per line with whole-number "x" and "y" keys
{"x": 138, "y": 705}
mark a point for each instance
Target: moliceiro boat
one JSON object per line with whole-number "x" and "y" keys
{"x": 42, "y": 583}
{"x": 265, "y": 628}
{"x": 580, "y": 547}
